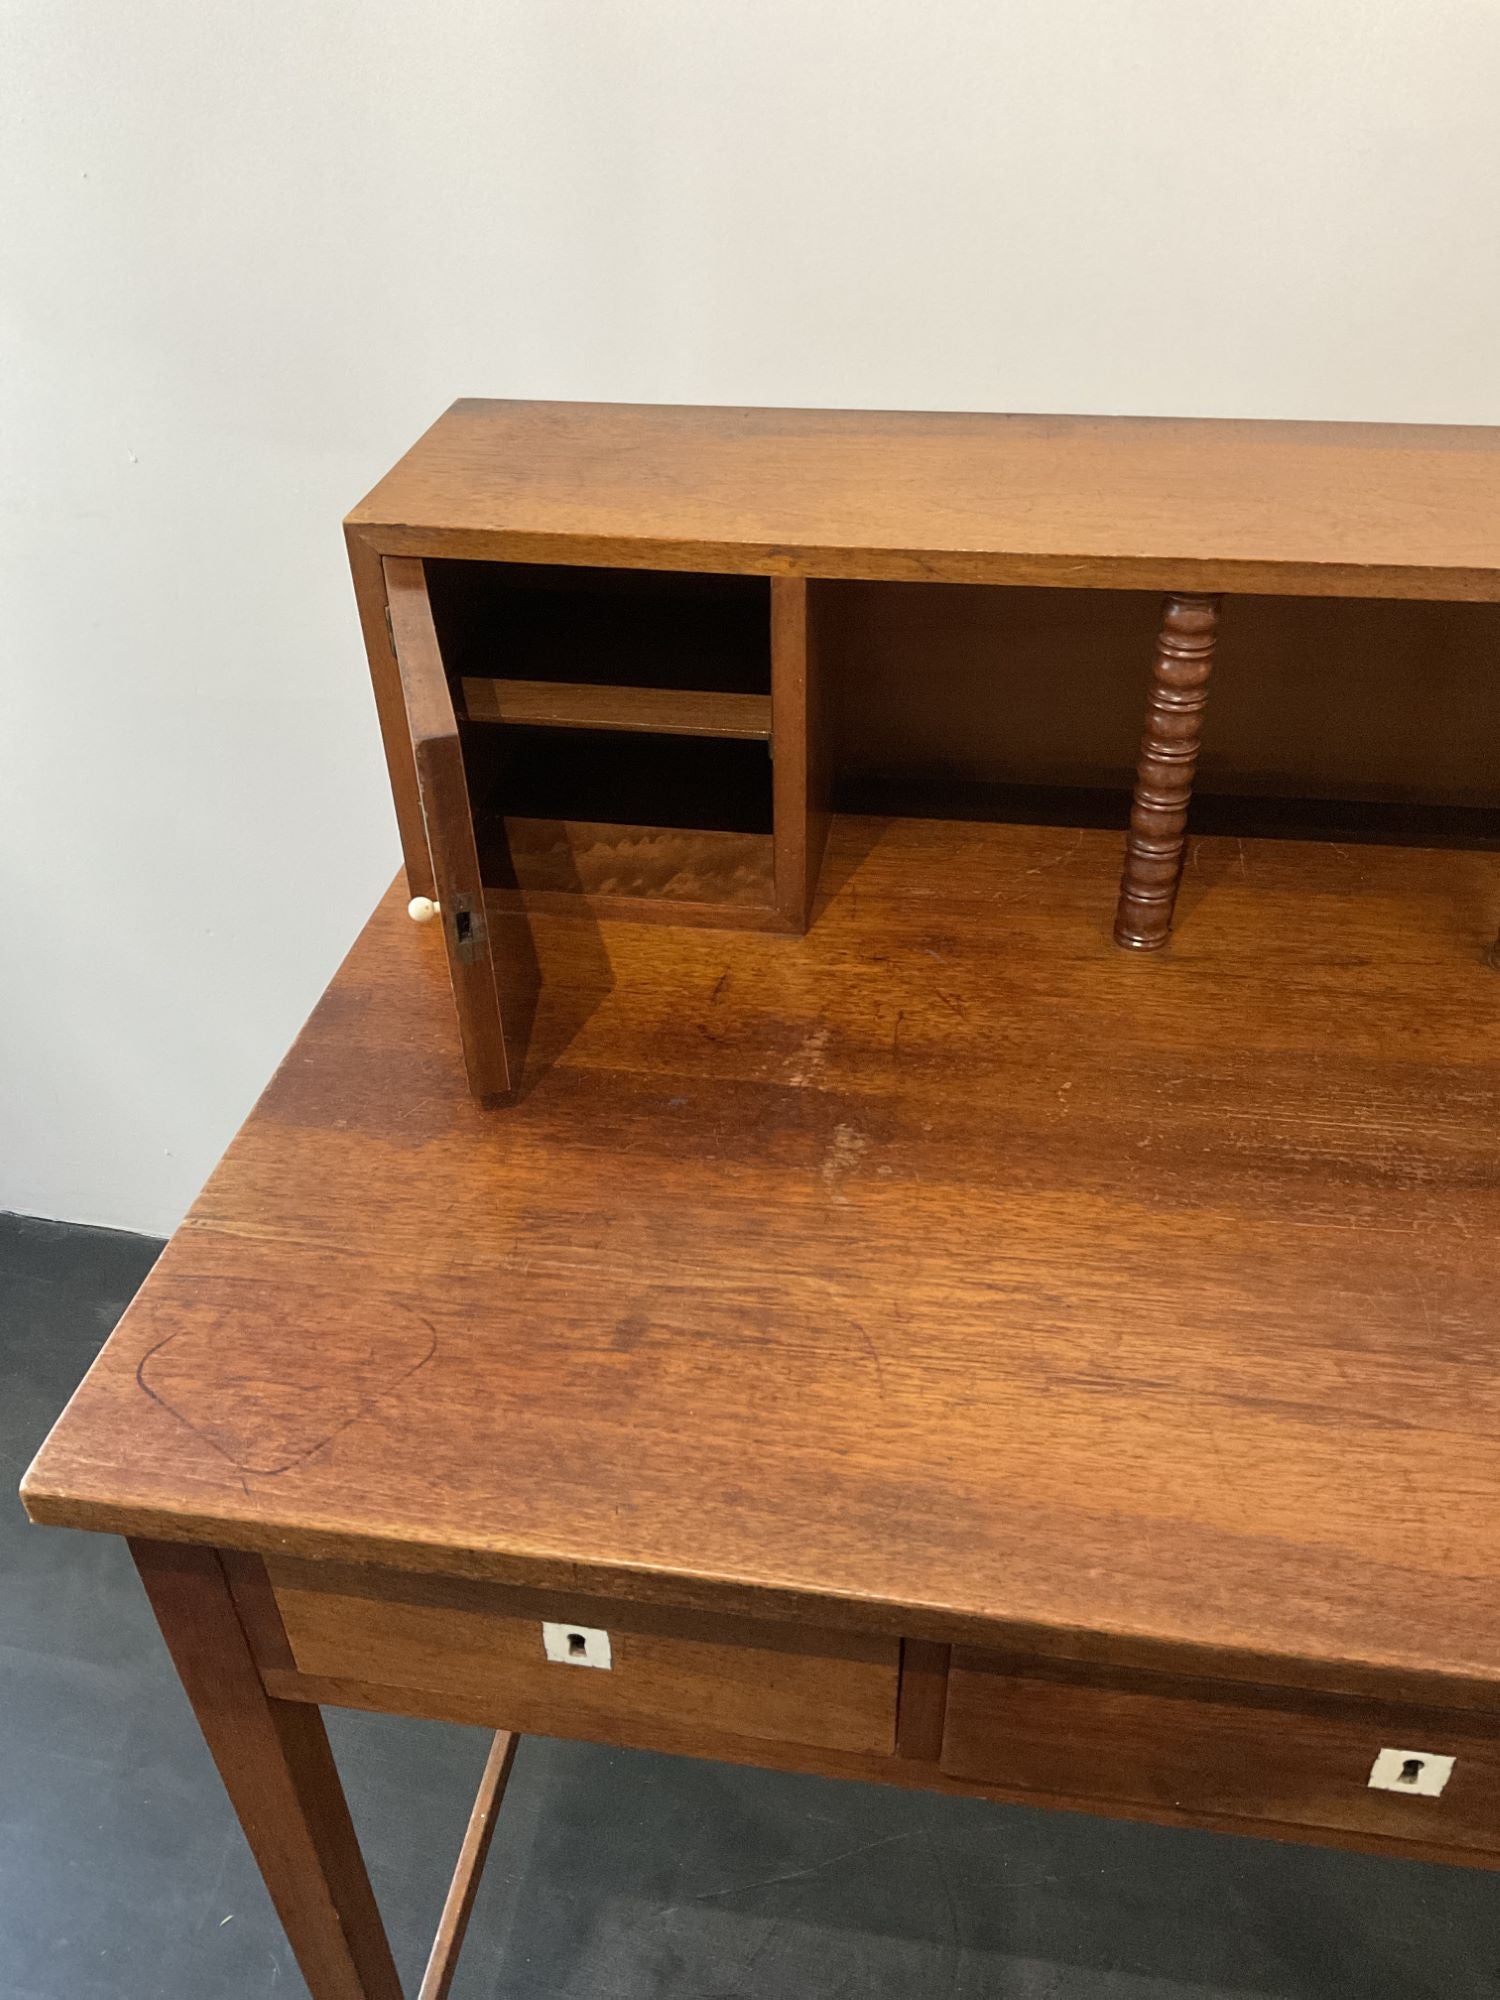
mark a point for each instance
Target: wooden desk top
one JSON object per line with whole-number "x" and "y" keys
{"x": 1353, "y": 510}
{"x": 946, "y": 1270}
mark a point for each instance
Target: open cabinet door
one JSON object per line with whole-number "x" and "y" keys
{"x": 494, "y": 976}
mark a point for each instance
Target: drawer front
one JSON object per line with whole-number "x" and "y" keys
{"x": 1200, "y": 1747}
{"x": 484, "y": 1648}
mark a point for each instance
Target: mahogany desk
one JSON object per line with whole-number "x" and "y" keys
{"x": 939, "y": 1349}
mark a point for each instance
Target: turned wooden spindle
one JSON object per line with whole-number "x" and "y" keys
{"x": 1157, "y": 840}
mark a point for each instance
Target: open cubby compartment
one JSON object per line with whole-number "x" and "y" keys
{"x": 1338, "y": 718}
{"x": 638, "y": 738}
{"x": 667, "y": 650}
{"x": 672, "y": 825}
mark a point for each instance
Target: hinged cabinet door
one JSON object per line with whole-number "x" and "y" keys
{"x": 494, "y": 978}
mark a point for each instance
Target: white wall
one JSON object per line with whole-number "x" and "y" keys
{"x": 248, "y": 252}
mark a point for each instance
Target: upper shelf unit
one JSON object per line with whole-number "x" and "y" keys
{"x": 630, "y": 607}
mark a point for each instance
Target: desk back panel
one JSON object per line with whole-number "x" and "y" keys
{"x": 1313, "y": 699}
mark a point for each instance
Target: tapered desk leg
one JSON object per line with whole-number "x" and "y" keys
{"x": 274, "y": 1759}
{"x": 1157, "y": 840}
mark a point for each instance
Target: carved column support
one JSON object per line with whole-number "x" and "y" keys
{"x": 1157, "y": 840}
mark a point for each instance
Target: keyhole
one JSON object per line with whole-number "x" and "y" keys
{"x": 578, "y": 1646}
{"x": 1411, "y": 1770}
{"x": 463, "y": 926}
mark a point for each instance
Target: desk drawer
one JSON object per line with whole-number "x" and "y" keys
{"x": 481, "y": 1651}
{"x": 1217, "y": 1748}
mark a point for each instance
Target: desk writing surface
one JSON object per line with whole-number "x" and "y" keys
{"x": 946, "y": 1265}
{"x": 1403, "y": 510}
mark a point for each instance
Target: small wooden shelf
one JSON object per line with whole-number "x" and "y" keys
{"x": 647, "y": 710}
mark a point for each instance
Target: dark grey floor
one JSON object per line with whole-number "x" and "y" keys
{"x": 614, "y": 1876}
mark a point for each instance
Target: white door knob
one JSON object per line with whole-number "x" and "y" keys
{"x": 422, "y": 909}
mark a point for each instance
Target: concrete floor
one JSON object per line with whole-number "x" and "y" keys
{"x": 614, "y": 1875}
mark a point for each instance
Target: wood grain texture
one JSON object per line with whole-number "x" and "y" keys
{"x": 643, "y": 710}
{"x": 651, "y": 874}
{"x": 1363, "y": 510}
{"x": 1157, "y": 842}
{"x": 943, "y": 1273}
{"x": 278, "y": 1770}
{"x": 458, "y": 1905}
